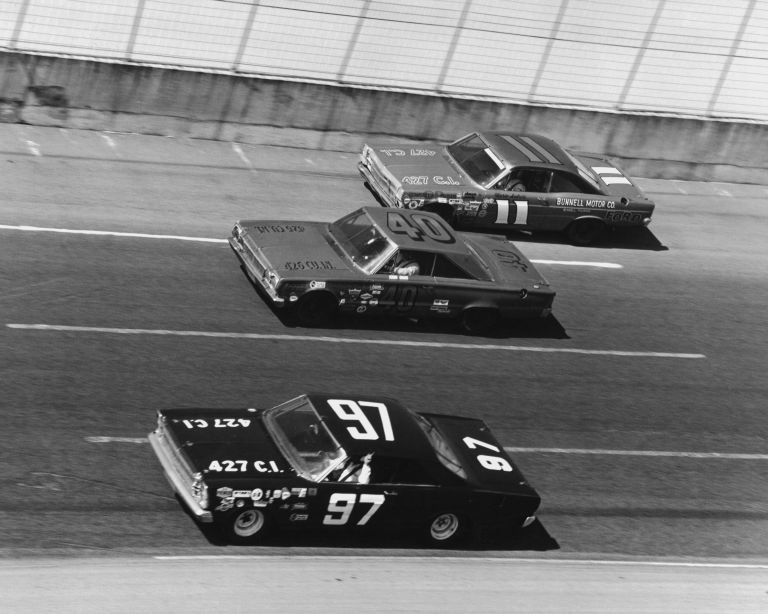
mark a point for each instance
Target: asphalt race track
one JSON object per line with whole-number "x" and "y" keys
{"x": 638, "y": 410}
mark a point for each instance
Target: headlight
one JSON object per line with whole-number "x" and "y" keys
{"x": 200, "y": 490}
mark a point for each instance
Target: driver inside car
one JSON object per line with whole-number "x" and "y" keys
{"x": 357, "y": 471}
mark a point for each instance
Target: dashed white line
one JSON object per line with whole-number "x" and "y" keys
{"x": 110, "y": 233}
{"x": 33, "y": 147}
{"x": 141, "y": 235}
{"x": 519, "y": 450}
{"x": 241, "y": 154}
{"x": 602, "y": 265}
{"x": 390, "y": 342}
{"x": 651, "y": 453}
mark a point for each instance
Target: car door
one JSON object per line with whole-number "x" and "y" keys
{"x": 522, "y": 201}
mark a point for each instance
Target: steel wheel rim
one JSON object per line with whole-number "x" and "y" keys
{"x": 248, "y": 523}
{"x": 444, "y": 527}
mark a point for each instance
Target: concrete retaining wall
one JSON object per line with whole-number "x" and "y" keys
{"x": 73, "y": 93}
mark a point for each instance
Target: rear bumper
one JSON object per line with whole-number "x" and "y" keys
{"x": 256, "y": 270}
{"x": 174, "y": 473}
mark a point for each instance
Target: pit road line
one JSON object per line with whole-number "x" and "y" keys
{"x": 141, "y": 235}
{"x": 390, "y": 342}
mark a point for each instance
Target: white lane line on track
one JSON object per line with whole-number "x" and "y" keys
{"x": 652, "y": 453}
{"x": 110, "y": 233}
{"x": 241, "y": 154}
{"x": 553, "y": 561}
{"x": 392, "y": 342}
{"x": 141, "y": 235}
{"x": 517, "y": 450}
{"x": 33, "y": 147}
{"x": 602, "y": 265}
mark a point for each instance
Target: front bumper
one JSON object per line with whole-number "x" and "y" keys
{"x": 176, "y": 473}
{"x": 257, "y": 270}
{"x": 381, "y": 182}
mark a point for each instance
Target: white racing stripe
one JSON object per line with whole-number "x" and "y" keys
{"x": 392, "y": 342}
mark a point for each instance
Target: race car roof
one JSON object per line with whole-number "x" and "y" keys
{"x": 418, "y": 231}
{"x": 364, "y": 424}
{"x": 528, "y": 150}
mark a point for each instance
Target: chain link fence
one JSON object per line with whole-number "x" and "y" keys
{"x": 703, "y": 58}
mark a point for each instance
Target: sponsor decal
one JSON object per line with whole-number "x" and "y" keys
{"x": 438, "y": 179}
{"x": 246, "y": 494}
{"x": 423, "y": 152}
{"x": 365, "y": 296}
{"x": 299, "y": 506}
{"x": 257, "y": 494}
{"x": 286, "y": 494}
{"x": 312, "y": 492}
{"x": 277, "y": 228}
{"x": 354, "y": 291}
{"x": 415, "y": 180}
{"x": 440, "y": 305}
{"x": 591, "y": 203}
{"x": 373, "y": 302}
{"x": 301, "y": 493}
{"x": 224, "y": 492}
{"x": 314, "y": 284}
{"x": 225, "y": 505}
{"x": 392, "y": 152}
{"x": 361, "y": 309}
{"x": 298, "y": 517}
{"x": 309, "y": 265}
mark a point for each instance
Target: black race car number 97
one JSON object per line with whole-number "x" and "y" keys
{"x": 418, "y": 226}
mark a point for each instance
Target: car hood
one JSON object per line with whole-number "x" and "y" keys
{"x": 225, "y": 443}
{"x": 420, "y": 168}
{"x": 293, "y": 249}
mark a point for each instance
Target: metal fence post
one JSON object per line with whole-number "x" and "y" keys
{"x": 246, "y": 35}
{"x": 640, "y": 54}
{"x": 352, "y": 42}
{"x": 457, "y": 30}
{"x": 545, "y": 56}
{"x": 729, "y": 60}
{"x": 19, "y": 25}
{"x": 134, "y": 29}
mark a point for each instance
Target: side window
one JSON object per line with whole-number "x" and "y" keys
{"x": 526, "y": 180}
{"x": 445, "y": 267}
{"x": 566, "y": 182}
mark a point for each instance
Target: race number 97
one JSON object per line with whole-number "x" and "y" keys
{"x": 494, "y": 463}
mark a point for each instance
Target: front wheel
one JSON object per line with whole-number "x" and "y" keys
{"x": 316, "y": 308}
{"x": 247, "y": 526}
{"x": 585, "y": 231}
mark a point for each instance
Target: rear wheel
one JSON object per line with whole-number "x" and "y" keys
{"x": 447, "y": 529}
{"x": 247, "y": 526}
{"x": 315, "y": 308}
{"x": 479, "y": 320}
{"x": 585, "y": 232}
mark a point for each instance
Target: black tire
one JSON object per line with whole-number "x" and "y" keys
{"x": 316, "y": 308}
{"x": 447, "y": 529}
{"x": 479, "y": 320}
{"x": 247, "y": 526}
{"x": 585, "y": 231}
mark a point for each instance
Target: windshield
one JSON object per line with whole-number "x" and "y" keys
{"x": 304, "y": 439}
{"x": 442, "y": 448}
{"x": 477, "y": 160}
{"x": 366, "y": 246}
